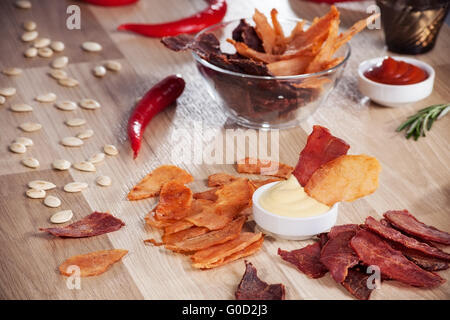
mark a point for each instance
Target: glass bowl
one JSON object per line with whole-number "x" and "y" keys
{"x": 266, "y": 102}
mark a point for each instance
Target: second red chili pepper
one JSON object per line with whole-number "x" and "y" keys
{"x": 208, "y": 17}
{"x": 155, "y": 100}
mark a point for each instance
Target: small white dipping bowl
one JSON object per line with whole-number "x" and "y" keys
{"x": 395, "y": 95}
{"x": 287, "y": 227}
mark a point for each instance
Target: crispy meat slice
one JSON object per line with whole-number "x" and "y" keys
{"x": 343, "y": 228}
{"x": 306, "y": 259}
{"x": 265, "y": 32}
{"x": 174, "y": 201}
{"x": 209, "y": 194}
{"x": 321, "y": 147}
{"x": 337, "y": 255}
{"x": 356, "y": 283}
{"x": 95, "y": 224}
{"x": 253, "y": 288}
{"x": 229, "y": 232}
{"x": 396, "y": 236}
{"x": 220, "y": 179}
{"x": 259, "y": 183}
{"x": 406, "y": 222}
{"x": 372, "y": 250}
{"x": 264, "y": 167}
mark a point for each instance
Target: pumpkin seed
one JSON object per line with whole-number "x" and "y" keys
{"x": 31, "y": 52}
{"x": 71, "y": 142}
{"x": 23, "y": 4}
{"x": 84, "y": 166}
{"x": 30, "y": 163}
{"x": 30, "y": 126}
{"x": 113, "y": 65}
{"x": 99, "y": 71}
{"x": 29, "y": 25}
{"x": 41, "y": 43}
{"x": 68, "y": 82}
{"x": 75, "y": 186}
{"x": 52, "y": 201}
{"x": 21, "y": 107}
{"x": 27, "y": 142}
{"x": 61, "y": 164}
{"x": 97, "y": 158}
{"x": 66, "y": 105}
{"x": 46, "y": 97}
{"x": 75, "y": 122}
{"x": 89, "y": 104}
{"x": 41, "y": 185}
{"x": 58, "y": 74}
{"x": 17, "y": 147}
{"x": 35, "y": 193}
{"x": 2, "y": 100}
{"x": 91, "y": 46}
{"x": 103, "y": 181}
{"x": 60, "y": 62}
{"x": 57, "y": 46}
{"x": 110, "y": 150}
{"x": 85, "y": 134}
{"x": 45, "y": 52}
{"x": 61, "y": 216}
{"x": 7, "y": 92}
{"x": 29, "y": 36}
{"x": 12, "y": 71}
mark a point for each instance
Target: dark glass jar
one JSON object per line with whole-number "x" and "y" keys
{"x": 412, "y": 26}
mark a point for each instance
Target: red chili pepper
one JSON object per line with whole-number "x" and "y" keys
{"x": 155, "y": 100}
{"x": 208, "y": 17}
{"x": 111, "y": 3}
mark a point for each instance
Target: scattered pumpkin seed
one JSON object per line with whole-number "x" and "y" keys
{"x": 7, "y": 92}
{"x": 31, "y": 163}
{"x": 29, "y": 36}
{"x": 57, "y": 46}
{"x": 91, "y": 46}
{"x": 103, "y": 181}
{"x": 66, "y": 105}
{"x": 21, "y": 107}
{"x": 110, "y": 150}
{"x": 12, "y": 71}
{"x": 27, "y": 142}
{"x": 113, "y": 65}
{"x": 89, "y": 104}
{"x": 30, "y": 126}
{"x": 17, "y": 147}
{"x": 46, "y": 97}
{"x": 23, "y": 4}
{"x": 99, "y": 71}
{"x": 61, "y": 164}
{"x": 29, "y": 25}
{"x": 71, "y": 142}
{"x": 52, "y": 201}
{"x": 60, "y": 62}
{"x": 35, "y": 193}
{"x": 61, "y": 216}
{"x": 41, "y": 43}
{"x": 58, "y": 74}
{"x": 75, "y": 122}
{"x": 84, "y": 166}
{"x": 41, "y": 185}
{"x": 45, "y": 52}
{"x": 31, "y": 52}
{"x": 75, "y": 186}
{"x": 68, "y": 82}
{"x": 2, "y": 100}
{"x": 97, "y": 158}
{"x": 85, "y": 134}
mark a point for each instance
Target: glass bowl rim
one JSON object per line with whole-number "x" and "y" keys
{"x": 246, "y": 75}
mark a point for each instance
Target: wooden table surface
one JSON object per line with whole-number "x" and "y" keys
{"x": 415, "y": 174}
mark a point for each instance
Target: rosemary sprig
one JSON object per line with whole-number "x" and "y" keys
{"x": 417, "y": 124}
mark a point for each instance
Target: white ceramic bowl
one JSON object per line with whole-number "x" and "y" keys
{"x": 395, "y": 95}
{"x": 287, "y": 227}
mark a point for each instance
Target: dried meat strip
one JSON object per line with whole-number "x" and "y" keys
{"x": 306, "y": 259}
{"x": 396, "y": 236}
{"x": 253, "y": 288}
{"x": 95, "y": 224}
{"x": 342, "y": 228}
{"x": 372, "y": 250}
{"x": 420, "y": 259}
{"x": 407, "y": 223}
{"x": 337, "y": 255}
{"x": 321, "y": 147}
{"x": 246, "y": 33}
{"x": 356, "y": 283}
